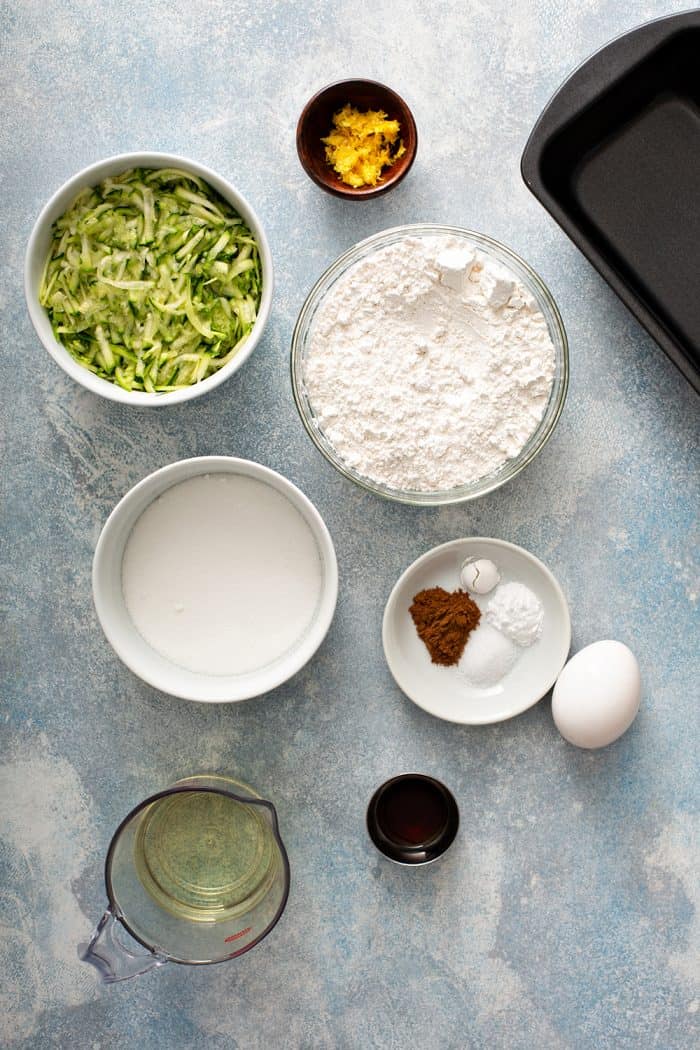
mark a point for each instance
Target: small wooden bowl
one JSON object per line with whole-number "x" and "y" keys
{"x": 316, "y": 122}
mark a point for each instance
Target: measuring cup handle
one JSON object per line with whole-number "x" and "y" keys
{"x": 111, "y": 957}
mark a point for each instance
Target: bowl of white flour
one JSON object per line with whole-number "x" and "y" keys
{"x": 429, "y": 364}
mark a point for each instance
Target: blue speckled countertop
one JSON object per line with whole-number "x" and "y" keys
{"x": 564, "y": 917}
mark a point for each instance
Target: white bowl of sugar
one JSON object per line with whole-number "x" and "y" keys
{"x": 215, "y": 579}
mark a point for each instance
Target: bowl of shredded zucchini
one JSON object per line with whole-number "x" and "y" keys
{"x": 148, "y": 278}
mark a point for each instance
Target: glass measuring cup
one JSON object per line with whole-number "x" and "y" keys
{"x": 195, "y": 874}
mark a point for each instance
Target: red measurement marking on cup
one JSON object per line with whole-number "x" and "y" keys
{"x": 235, "y": 936}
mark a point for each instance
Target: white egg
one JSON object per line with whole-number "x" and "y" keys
{"x": 596, "y": 697}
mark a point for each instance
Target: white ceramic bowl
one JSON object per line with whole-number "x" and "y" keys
{"x": 123, "y": 636}
{"x": 38, "y": 248}
{"x": 442, "y": 691}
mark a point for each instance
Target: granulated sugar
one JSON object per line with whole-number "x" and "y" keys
{"x": 488, "y": 656}
{"x": 429, "y": 364}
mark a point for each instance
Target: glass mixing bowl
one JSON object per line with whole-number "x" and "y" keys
{"x": 304, "y": 327}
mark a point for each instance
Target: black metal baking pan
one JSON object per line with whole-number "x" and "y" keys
{"x": 615, "y": 158}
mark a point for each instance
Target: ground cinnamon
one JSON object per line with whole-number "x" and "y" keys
{"x": 444, "y": 621}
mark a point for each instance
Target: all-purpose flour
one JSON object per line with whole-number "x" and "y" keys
{"x": 429, "y": 364}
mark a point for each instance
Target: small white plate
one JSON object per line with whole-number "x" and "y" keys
{"x": 442, "y": 691}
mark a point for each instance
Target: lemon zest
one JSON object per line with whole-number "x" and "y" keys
{"x": 361, "y": 145}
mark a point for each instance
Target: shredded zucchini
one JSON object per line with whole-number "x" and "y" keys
{"x": 152, "y": 281}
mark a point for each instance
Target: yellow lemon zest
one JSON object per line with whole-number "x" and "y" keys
{"x": 361, "y": 145}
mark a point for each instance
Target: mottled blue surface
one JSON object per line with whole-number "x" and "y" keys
{"x": 565, "y": 915}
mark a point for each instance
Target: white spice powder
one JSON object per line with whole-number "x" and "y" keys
{"x": 488, "y": 656}
{"x": 428, "y": 365}
{"x": 517, "y": 612}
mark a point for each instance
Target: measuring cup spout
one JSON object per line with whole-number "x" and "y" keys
{"x": 111, "y": 957}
